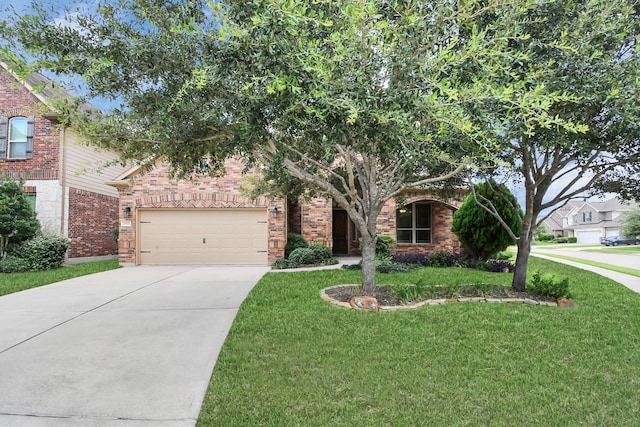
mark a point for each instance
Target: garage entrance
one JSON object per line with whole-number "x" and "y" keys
{"x": 588, "y": 236}
{"x": 203, "y": 236}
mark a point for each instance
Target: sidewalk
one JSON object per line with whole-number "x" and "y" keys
{"x": 617, "y": 259}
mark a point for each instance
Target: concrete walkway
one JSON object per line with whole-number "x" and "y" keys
{"x": 128, "y": 347}
{"x": 610, "y": 257}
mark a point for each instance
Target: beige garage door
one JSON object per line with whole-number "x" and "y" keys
{"x": 203, "y": 236}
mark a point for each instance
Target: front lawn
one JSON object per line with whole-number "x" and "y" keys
{"x": 617, "y": 268}
{"x": 617, "y": 249}
{"x": 15, "y": 282}
{"x": 292, "y": 359}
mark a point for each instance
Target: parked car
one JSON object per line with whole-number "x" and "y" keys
{"x": 620, "y": 240}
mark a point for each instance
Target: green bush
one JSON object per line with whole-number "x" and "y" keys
{"x": 561, "y": 240}
{"x": 480, "y": 232}
{"x": 322, "y": 253}
{"x": 13, "y": 264}
{"x": 43, "y": 252}
{"x": 303, "y": 256}
{"x": 282, "y": 264}
{"x": 440, "y": 259}
{"x": 294, "y": 241}
{"x": 387, "y": 265}
{"x": 572, "y": 240}
{"x": 549, "y": 286}
{"x": 546, "y": 237}
{"x": 384, "y": 245}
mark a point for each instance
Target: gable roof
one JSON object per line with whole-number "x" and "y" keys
{"x": 46, "y": 90}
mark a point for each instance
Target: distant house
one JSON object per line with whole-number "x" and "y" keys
{"x": 64, "y": 179}
{"x": 589, "y": 222}
{"x": 210, "y": 221}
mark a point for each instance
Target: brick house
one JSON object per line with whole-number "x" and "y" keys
{"x": 210, "y": 221}
{"x": 63, "y": 178}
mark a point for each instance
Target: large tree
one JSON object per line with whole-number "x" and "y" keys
{"x": 359, "y": 99}
{"x": 602, "y": 70}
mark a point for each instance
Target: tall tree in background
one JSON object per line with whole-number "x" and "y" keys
{"x": 631, "y": 223}
{"x": 602, "y": 69}
{"x": 359, "y": 99}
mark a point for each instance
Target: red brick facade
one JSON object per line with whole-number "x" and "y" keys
{"x": 92, "y": 218}
{"x": 87, "y": 217}
{"x": 316, "y": 224}
{"x": 16, "y": 100}
{"x": 155, "y": 189}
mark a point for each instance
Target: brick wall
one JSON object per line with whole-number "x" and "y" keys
{"x": 92, "y": 218}
{"x": 316, "y": 221}
{"x": 16, "y": 100}
{"x": 155, "y": 189}
{"x": 442, "y": 238}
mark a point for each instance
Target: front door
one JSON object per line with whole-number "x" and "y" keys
{"x": 340, "y": 232}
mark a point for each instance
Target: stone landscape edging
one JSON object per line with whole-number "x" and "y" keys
{"x": 438, "y": 301}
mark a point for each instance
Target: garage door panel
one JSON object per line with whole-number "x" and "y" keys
{"x": 589, "y": 236}
{"x": 230, "y": 236}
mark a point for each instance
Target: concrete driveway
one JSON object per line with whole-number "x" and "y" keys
{"x": 129, "y": 347}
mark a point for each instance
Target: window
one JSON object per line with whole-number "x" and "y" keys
{"x": 16, "y": 137}
{"x": 413, "y": 223}
{"x": 32, "y": 199}
{"x": 575, "y": 219}
{"x": 586, "y": 216}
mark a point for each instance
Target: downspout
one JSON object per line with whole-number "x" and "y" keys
{"x": 63, "y": 180}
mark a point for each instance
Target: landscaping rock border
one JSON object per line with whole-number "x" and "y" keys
{"x": 439, "y": 301}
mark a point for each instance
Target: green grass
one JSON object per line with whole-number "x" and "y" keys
{"x": 292, "y": 359}
{"x": 623, "y": 249}
{"x": 15, "y": 282}
{"x": 616, "y": 268}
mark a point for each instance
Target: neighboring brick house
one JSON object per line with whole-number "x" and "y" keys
{"x": 588, "y": 221}
{"x": 64, "y": 179}
{"x": 210, "y": 221}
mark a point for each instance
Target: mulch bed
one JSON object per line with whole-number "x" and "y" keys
{"x": 386, "y": 297}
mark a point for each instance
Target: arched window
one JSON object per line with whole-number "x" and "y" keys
{"x": 413, "y": 223}
{"x": 16, "y": 137}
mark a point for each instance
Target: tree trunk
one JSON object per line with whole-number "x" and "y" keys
{"x": 368, "y": 263}
{"x": 522, "y": 259}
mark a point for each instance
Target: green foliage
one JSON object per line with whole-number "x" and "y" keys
{"x": 572, "y": 240}
{"x": 549, "y": 286}
{"x": 321, "y": 253}
{"x": 546, "y": 237}
{"x": 334, "y": 93}
{"x": 294, "y": 241}
{"x": 43, "y": 252}
{"x": 302, "y": 256}
{"x": 440, "y": 258}
{"x": 115, "y": 234}
{"x": 631, "y": 223}
{"x": 384, "y": 245}
{"x": 387, "y": 265}
{"x": 478, "y": 230}
{"x": 282, "y": 264}
{"x": 407, "y": 292}
{"x": 561, "y": 239}
{"x": 17, "y": 217}
{"x": 539, "y": 231}
{"x": 13, "y": 264}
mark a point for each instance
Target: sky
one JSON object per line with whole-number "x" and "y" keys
{"x": 106, "y": 105}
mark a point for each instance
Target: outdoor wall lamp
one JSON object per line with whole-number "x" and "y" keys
{"x": 127, "y": 211}
{"x": 276, "y": 211}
